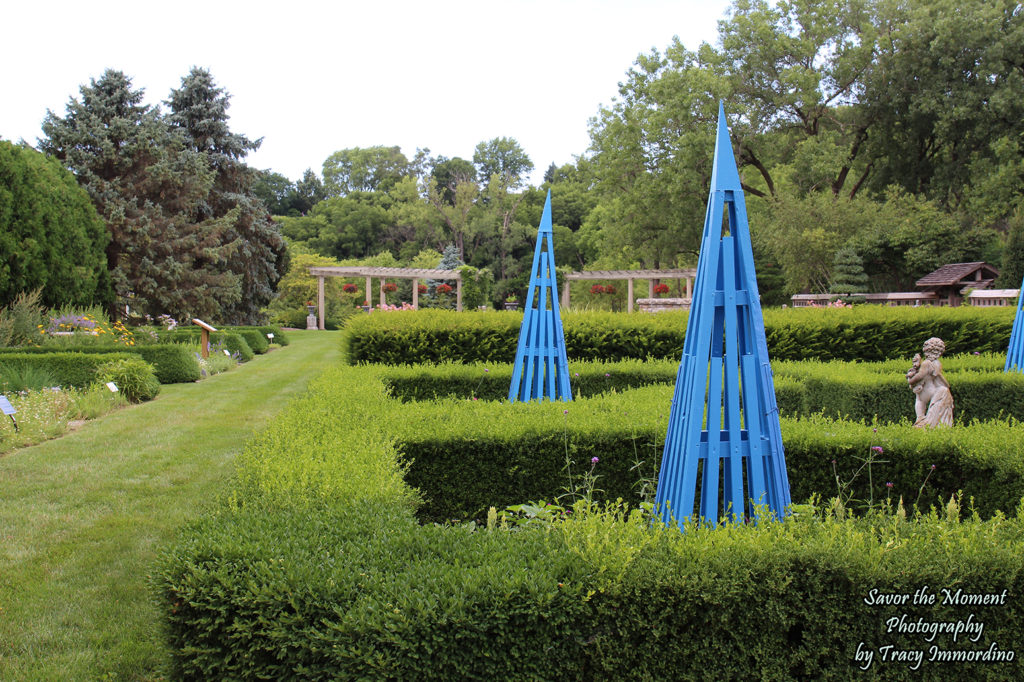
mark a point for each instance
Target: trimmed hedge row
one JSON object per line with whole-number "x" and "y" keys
{"x": 70, "y": 369}
{"x": 857, "y": 391}
{"x": 314, "y": 566}
{"x": 280, "y": 338}
{"x": 172, "y": 364}
{"x": 234, "y": 343}
{"x": 464, "y": 456}
{"x": 866, "y": 333}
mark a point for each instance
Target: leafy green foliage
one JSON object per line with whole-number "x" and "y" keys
{"x": 314, "y": 565}
{"x": 132, "y": 376}
{"x": 67, "y": 369}
{"x": 51, "y": 238}
{"x": 172, "y": 364}
{"x": 20, "y": 321}
{"x": 866, "y": 333}
{"x": 230, "y": 341}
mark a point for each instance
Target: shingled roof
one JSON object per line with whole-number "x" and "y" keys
{"x": 957, "y": 273}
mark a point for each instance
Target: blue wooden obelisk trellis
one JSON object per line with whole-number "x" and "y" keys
{"x": 541, "y": 369}
{"x": 723, "y": 429}
{"x": 1015, "y": 352}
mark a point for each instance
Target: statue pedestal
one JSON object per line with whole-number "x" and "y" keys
{"x": 311, "y": 321}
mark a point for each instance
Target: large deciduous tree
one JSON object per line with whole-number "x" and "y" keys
{"x": 51, "y": 237}
{"x": 256, "y": 253}
{"x": 370, "y": 169}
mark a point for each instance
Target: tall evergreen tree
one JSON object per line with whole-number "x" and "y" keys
{"x": 148, "y": 186}
{"x": 50, "y": 235}
{"x": 256, "y": 251}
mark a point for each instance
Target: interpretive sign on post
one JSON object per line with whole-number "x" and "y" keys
{"x": 723, "y": 429}
{"x": 204, "y": 336}
{"x": 8, "y": 409}
{"x": 541, "y": 368}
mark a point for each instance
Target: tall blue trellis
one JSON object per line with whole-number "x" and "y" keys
{"x": 1015, "y": 352}
{"x": 723, "y": 428}
{"x": 541, "y": 369}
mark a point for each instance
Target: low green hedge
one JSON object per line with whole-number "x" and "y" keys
{"x": 69, "y": 369}
{"x": 280, "y": 338}
{"x": 232, "y": 342}
{"x": 314, "y": 566}
{"x": 866, "y": 333}
{"x": 172, "y": 364}
{"x": 857, "y": 391}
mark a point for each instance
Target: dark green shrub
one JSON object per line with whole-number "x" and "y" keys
{"x": 68, "y": 369}
{"x": 229, "y": 341}
{"x": 314, "y": 567}
{"x": 863, "y": 333}
{"x": 17, "y": 377}
{"x": 173, "y": 364}
{"x": 133, "y": 377}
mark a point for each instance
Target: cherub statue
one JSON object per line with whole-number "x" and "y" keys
{"x": 934, "y": 403}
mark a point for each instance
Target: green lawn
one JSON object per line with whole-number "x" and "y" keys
{"x": 82, "y": 517}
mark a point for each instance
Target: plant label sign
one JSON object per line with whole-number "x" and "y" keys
{"x": 112, "y": 386}
{"x": 227, "y": 353}
{"x": 5, "y": 405}
{"x": 270, "y": 336}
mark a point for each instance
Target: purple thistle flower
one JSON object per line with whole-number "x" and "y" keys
{"x": 877, "y": 448}
{"x": 933, "y": 467}
{"x": 486, "y": 370}
{"x": 889, "y": 484}
{"x": 565, "y": 411}
{"x": 594, "y": 460}
{"x": 607, "y": 374}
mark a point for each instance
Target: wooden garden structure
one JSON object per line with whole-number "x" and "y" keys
{"x": 384, "y": 274}
{"x": 630, "y": 276}
{"x": 723, "y": 428}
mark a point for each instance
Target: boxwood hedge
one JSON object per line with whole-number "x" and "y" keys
{"x": 172, "y": 364}
{"x": 69, "y": 369}
{"x": 314, "y": 566}
{"x": 866, "y": 333}
{"x": 232, "y": 342}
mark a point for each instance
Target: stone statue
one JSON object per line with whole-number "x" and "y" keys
{"x": 934, "y": 403}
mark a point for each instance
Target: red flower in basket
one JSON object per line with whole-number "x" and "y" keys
{"x": 422, "y": 288}
{"x": 609, "y": 289}
{"x": 597, "y": 289}
{"x": 390, "y": 286}
{"x": 444, "y": 289}
{"x": 350, "y": 288}
{"x": 661, "y": 289}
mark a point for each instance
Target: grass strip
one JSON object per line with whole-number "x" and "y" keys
{"x": 83, "y": 517}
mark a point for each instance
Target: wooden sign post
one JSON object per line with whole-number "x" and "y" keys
{"x": 204, "y": 336}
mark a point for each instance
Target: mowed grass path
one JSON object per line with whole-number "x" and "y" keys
{"x": 83, "y": 517}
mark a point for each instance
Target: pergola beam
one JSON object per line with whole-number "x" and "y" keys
{"x": 629, "y": 275}
{"x": 415, "y": 274}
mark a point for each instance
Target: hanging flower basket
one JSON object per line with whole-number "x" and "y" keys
{"x": 597, "y": 289}
{"x": 443, "y": 289}
{"x": 661, "y": 289}
{"x": 422, "y": 288}
{"x": 350, "y": 288}
{"x": 390, "y": 287}
{"x": 609, "y": 289}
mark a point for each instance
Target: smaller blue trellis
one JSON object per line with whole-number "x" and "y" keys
{"x": 541, "y": 369}
{"x": 1015, "y": 352}
{"x": 723, "y": 432}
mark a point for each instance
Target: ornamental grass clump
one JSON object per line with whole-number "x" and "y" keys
{"x": 132, "y": 376}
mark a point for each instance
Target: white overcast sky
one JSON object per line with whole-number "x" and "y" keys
{"x": 311, "y": 78}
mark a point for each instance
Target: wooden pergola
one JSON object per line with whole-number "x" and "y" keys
{"x": 630, "y": 275}
{"x": 415, "y": 274}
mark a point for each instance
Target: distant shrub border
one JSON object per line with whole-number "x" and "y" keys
{"x": 233, "y": 343}
{"x": 315, "y": 566}
{"x": 70, "y": 369}
{"x": 864, "y": 333}
{"x": 172, "y": 364}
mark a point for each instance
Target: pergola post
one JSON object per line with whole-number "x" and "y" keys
{"x": 383, "y": 298}
{"x": 320, "y": 302}
{"x": 458, "y": 294}
{"x": 689, "y": 288}
{"x": 629, "y": 302}
{"x": 565, "y": 295}
{"x": 650, "y": 288}
{"x": 369, "y": 288}
{"x": 415, "y": 293}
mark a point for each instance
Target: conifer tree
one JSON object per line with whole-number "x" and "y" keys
{"x": 148, "y": 186}
{"x": 256, "y": 251}
{"x": 848, "y": 276}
